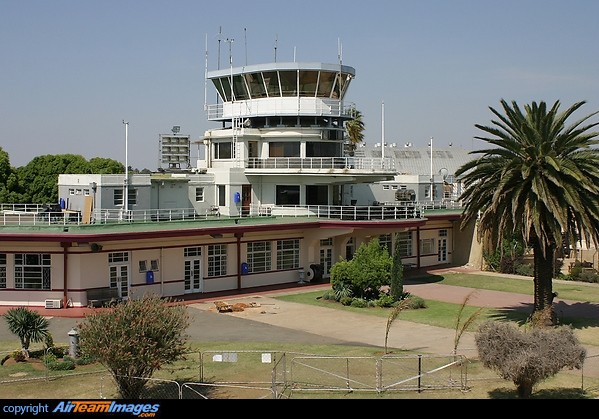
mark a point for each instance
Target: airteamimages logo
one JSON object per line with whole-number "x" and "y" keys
{"x": 142, "y": 410}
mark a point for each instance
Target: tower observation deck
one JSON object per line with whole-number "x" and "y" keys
{"x": 257, "y": 93}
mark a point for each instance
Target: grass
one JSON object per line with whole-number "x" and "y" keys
{"x": 483, "y": 384}
{"x": 443, "y": 314}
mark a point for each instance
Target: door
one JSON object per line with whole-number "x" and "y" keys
{"x": 442, "y": 251}
{"x": 193, "y": 276}
{"x": 119, "y": 278}
{"x": 326, "y": 256}
{"x": 246, "y": 200}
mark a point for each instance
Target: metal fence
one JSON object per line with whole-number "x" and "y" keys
{"x": 254, "y": 374}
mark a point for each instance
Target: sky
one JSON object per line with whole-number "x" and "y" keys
{"x": 71, "y": 71}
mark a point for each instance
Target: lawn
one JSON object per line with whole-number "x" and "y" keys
{"x": 444, "y": 314}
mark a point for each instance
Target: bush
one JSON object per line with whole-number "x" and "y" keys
{"x": 346, "y": 301}
{"x": 414, "y": 302}
{"x": 385, "y": 301}
{"x": 135, "y": 338}
{"x": 527, "y": 358}
{"x": 359, "y": 302}
{"x": 67, "y": 364}
{"x": 525, "y": 269}
{"x": 588, "y": 276}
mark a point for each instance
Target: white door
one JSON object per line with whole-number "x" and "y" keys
{"x": 193, "y": 275}
{"x": 119, "y": 278}
{"x": 442, "y": 253}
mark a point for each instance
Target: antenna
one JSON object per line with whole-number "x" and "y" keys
{"x": 220, "y": 37}
{"x": 206, "y": 76}
{"x": 246, "y": 45}
{"x": 276, "y": 41}
{"x": 339, "y": 51}
{"x": 294, "y": 50}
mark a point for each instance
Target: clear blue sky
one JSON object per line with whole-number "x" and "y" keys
{"x": 72, "y": 70}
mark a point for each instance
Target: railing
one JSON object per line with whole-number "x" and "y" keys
{"x": 279, "y": 106}
{"x": 32, "y": 214}
{"x": 318, "y": 163}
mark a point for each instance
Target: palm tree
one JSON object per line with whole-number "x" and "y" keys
{"x": 540, "y": 181}
{"x": 355, "y": 131}
{"x": 28, "y": 325}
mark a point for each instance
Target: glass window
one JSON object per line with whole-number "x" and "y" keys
{"x": 307, "y": 83}
{"x": 192, "y": 251}
{"x": 2, "y": 270}
{"x": 132, "y": 196}
{"x": 427, "y": 246}
{"x": 385, "y": 240}
{"x": 271, "y": 81}
{"x": 199, "y": 194}
{"x": 259, "y": 256}
{"x": 118, "y": 257}
{"x": 288, "y": 83}
{"x": 443, "y": 233}
{"x": 239, "y": 88}
{"x": 325, "y": 84}
{"x": 284, "y": 149}
{"x": 288, "y": 195}
{"x": 222, "y": 194}
{"x": 223, "y": 150}
{"x": 405, "y": 243}
{"x": 118, "y": 197}
{"x": 288, "y": 254}
{"x": 32, "y": 271}
{"x": 256, "y": 85}
{"x": 143, "y": 265}
{"x": 217, "y": 260}
{"x": 323, "y": 149}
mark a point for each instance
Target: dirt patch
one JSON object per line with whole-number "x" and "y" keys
{"x": 36, "y": 363}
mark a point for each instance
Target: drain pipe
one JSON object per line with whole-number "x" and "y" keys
{"x": 65, "y": 247}
{"x": 238, "y": 236}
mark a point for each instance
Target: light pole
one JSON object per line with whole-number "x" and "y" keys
{"x": 126, "y": 197}
{"x": 432, "y": 180}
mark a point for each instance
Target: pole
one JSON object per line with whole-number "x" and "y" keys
{"x": 126, "y": 197}
{"x": 383, "y": 133}
{"x": 432, "y": 182}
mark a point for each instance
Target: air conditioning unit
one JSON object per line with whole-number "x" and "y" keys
{"x": 53, "y": 303}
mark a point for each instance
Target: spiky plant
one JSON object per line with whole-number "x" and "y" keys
{"x": 28, "y": 325}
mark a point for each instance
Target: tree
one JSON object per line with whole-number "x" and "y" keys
{"x": 540, "y": 180}
{"x": 366, "y": 273}
{"x": 527, "y": 358}
{"x": 28, "y": 325}
{"x": 135, "y": 338}
{"x": 355, "y": 131}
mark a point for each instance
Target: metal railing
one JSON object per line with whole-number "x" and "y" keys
{"x": 319, "y": 163}
{"x": 34, "y": 215}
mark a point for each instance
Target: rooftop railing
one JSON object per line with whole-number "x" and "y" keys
{"x": 317, "y": 163}
{"x": 38, "y": 215}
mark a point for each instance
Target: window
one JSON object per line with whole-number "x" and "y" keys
{"x": 222, "y": 194}
{"x": 154, "y": 264}
{"x": 32, "y": 271}
{"x": 259, "y": 257}
{"x": 199, "y": 194}
{"x": 284, "y": 149}
{"x": 118, "y": 257}
{"x": 288, "y": 254}
{"x": 143, "y": 265}
{"x": 427, "y": 246}
{"x": 223, "y": 151}
{"x": 288, "y": 195}
{"x": 405, "y": 244}
{"x": 386, "y": 241}
{"x": 118, "y": 197}
{"x": 443, "y": 233}
{"x": 132, "y": 196}
{"x": 2, "y": 270}
{"x": 192, "y": 251}
{"x": 217, "y": 260}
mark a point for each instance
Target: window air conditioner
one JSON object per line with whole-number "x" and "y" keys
{"x": 53, "y": 303}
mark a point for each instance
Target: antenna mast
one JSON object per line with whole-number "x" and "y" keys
{"x": 276, "y": 40}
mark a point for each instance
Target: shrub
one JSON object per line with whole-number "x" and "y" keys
{"x": 346, "y": 301}
{"x": 525, "y": 269}
{"x": 527, "y": 357}
{"x": 385, "y": 301}
{"x": 588, "y": 276}
{"x": 359, "y": 302}
{"x": 414, "y": 302}
{"x": 28, "y": 325}
{"x": 135, "y": 338}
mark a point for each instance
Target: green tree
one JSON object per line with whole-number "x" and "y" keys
{"x": 28, "y": 325}
{"x": 368, "y": 270}
{"x": 355, "y": 131}
{"x": 135, "y": 338}
{"x": 541, "y": 179}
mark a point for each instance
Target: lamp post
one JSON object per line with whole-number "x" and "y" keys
{"x": 126, "y": 197}
{"x": 432, "y": 180}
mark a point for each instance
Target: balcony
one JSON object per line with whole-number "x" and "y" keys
{"x": 317, "y": 164}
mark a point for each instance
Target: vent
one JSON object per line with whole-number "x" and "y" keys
{"x": 53, "y": 303}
